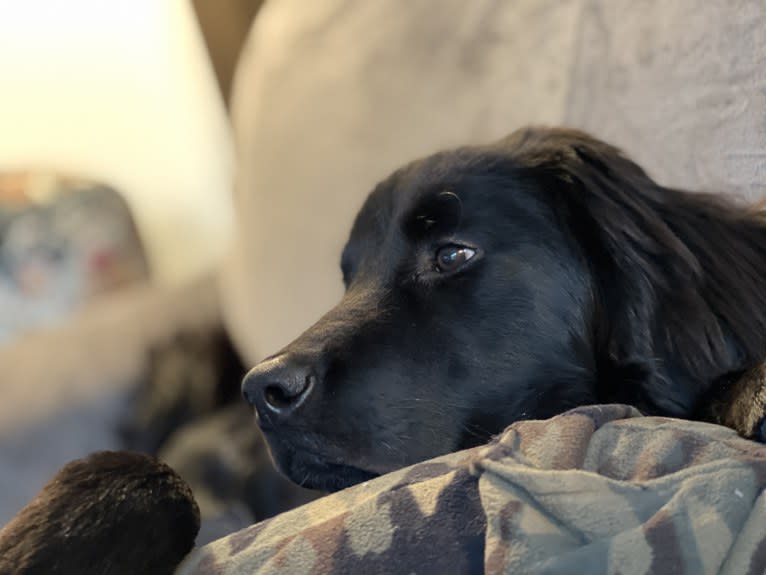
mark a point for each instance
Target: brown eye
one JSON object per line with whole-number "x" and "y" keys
{"x": 452, "y": 257}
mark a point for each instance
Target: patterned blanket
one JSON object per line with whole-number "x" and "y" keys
{"x": 595, "y": 490}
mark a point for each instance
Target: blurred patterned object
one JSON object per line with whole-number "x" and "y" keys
{"x": 63, "y": 242}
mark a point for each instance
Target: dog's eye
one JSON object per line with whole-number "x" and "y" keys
{"x": 450, "y": 258}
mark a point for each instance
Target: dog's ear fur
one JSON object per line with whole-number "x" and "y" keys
{"x": 678, "y": 274}
{"x": 112, "y": 512}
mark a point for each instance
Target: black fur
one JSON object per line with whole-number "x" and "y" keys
{"x": 591, "y": 284}
{"x": 111, "y": 513}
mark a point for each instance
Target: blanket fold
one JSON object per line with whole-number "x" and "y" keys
{"x": 599, "y": 489}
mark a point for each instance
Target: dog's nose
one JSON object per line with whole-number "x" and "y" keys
{"x": 278, "y": 386}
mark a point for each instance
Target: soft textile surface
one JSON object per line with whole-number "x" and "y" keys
{"x": 332, "y": 95}
{"x": 596, "y": 490}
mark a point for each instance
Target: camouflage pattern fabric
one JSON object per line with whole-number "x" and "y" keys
{"x": 597, "y": 490}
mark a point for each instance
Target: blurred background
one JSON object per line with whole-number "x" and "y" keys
{"x": 116, "y": 173}
{"x": 177, "y": 180}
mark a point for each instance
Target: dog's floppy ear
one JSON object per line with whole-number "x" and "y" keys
{"x": 616, "y": 194}
{"x": 678, "y": 275}
{"x": 608, "y": 204}
{"x": 112, "y": 512}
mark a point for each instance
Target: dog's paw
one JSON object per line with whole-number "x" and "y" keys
{"x": 111, "y": 512}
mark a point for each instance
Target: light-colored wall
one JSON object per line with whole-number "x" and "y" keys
{"x": 123, "y": 92}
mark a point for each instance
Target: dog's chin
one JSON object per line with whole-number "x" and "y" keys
{"x": 312, "y": 471}
{"x": 326, "y": 476}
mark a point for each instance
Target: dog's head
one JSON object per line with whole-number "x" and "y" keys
{"x": 476, "y": 295}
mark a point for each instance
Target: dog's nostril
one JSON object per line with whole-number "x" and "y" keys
{"x": 283, "y": 395}
{"x": 277, "y": 397}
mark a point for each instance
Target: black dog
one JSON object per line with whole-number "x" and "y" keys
{"x": 484, "y": 286}
{"x": 517, "y": 280}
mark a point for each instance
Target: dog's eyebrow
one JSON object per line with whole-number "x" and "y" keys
{"x": 437, "y": 212}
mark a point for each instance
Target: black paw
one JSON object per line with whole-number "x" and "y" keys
{"x": 111, "y": 512}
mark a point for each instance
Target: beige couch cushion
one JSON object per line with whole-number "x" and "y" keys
{"x": 332, "y": 95}
{"x": 679, "y": 85}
